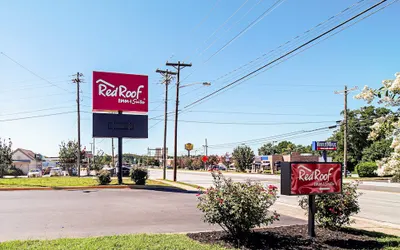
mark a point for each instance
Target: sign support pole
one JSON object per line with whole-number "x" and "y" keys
{"x": 311, "y": 216}
{"x": 120, "y": 158}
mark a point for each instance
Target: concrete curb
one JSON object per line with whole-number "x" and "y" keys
{"x": 149, "y": 187}
{"x": 179, "y": 185}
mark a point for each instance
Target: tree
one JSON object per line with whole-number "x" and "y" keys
{"x": 244, "y": 157}
{"x": 5, "y": 156}
{"x": 359, "y": 123}
{"x": 197, "y": 163}
{"x": 100, "y": 160}
{"x": 267, "y": 149}
{"x": 187, "y": 162}
{"x": 213, "y": 160}
{"x": 377, "y": 150}
{"x": 386, "y": 125}
{"x": 68, "y": 155}
{"x": 285, "y": 147}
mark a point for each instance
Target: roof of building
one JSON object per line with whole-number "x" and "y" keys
{"x": 29, "y": 153}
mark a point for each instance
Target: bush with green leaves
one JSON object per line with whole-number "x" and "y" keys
{"x": 237, "y": 207}
{"x": 104, "y": 177}
{"x": 14, "y": 171}
{"x": 334, "y": 210}
{"x": 367, "y": 169}
{"x": 139, "y": 175}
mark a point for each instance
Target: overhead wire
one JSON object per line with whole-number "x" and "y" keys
{"x": 33, "y": 73}
{"x": 286, "y": 54}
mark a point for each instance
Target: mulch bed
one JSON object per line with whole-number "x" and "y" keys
{"x": 296, "y": 237}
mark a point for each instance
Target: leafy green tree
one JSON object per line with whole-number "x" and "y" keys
{"x": 267, "y": 149}
{"x": 68, "y": 155}
{"x": 100, "y": 160}
{"x": 187, "y": 162}
{"x": 285, "y": 147}
{"x": 377, "y": 150}
{"x": 244, "y": 157}
{"x": 5, "y": 156}
{"x": 359, "y": 123}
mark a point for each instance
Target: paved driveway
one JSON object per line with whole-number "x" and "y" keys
{"x": 55, "y": 214}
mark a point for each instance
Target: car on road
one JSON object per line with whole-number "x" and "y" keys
{"x": 34, "y": 173}
{"x": 348, "y": 173}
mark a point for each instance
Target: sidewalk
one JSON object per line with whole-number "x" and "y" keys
{"x": 360, "y": 223}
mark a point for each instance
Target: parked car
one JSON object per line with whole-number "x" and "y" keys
{"x": 56, "y": 172}
{"x": 348, "y": 173}
{"x": 34, "y": 173}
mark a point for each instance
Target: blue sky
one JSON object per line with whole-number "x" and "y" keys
{"x": 56, "y": 39}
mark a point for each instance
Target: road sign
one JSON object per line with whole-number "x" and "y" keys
{"x": 189, "y": 146}
{"x": 204, "y": 158}
{"x": 120, "y": 125}
{"x": 324, "y": 145}
{"x": 120, "y": 92}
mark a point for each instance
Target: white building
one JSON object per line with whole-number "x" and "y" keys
{"x": 26, "y": 160}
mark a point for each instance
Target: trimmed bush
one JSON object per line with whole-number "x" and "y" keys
{"x": 14, "y": 171}
{"x": 104, "y": 177}
{"x": 367, "y": 169}
{"x": 237, "y": 207}
{"x": 139, "y": 175}
{"x": 334, "y": 210}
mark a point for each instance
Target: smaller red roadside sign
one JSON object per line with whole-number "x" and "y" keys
{"x": 315, "y": 178}
{"x": 204, "y": 158}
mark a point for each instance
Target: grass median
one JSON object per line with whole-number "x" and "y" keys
{"x": 139, "y": 241}
{"x": 64, "y": 182}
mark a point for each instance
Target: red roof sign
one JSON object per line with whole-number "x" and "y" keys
{"x": 120, "y": 92}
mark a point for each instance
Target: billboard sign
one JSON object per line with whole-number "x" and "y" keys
{"x": 189, "y": 146}
{"x": 324, "y": 145}
{"x": 120, "y": 125}
{"x": 309, "y": 178}
{"x": 120, "y": 92}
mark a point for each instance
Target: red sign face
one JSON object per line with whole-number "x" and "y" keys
{"x": 316, "y": 178}
{"x": 120, "y": 92}
{"x": 204, "y": 158}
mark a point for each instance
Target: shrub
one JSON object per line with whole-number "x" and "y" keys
{"x": 237, "y": 207}
{"x": 104, "y": 177}
{"x": 139, "y": 175}
{"x": 334, "y": 210}
{"x": 14, "y": 171}
{"x": 367, "y": 169}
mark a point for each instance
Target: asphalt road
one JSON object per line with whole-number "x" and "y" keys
{"x": 375, "y": 205}
{"x": 56, "y": 214}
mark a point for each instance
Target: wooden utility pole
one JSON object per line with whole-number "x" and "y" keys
{"x": 112, "y": 152}
{"x": 206, "y": 152}
{"x": 345, "y": 92}
{"x": 78, "y": 80}
{"x": 178, "y": 66}
{"x": 167, "y": 79}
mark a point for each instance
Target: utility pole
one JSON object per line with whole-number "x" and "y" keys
{"x": 112, "y": 152}
{"x": 167, "y": 79}
{"x": 77, "y": 80}
{"x": 94, "y": 151}
{"x": 206, "y": 152}
{"x": 345, "y": 92}
{"x": 178, "y": 66}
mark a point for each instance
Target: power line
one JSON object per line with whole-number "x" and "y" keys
{"x": 258, "y": 19}
{"x": 286, "y": 54}
{"x": 33, "y": 73}
{"x": 37, "y": 116}
{"x": 254, "y": 113}
{"x": 249, "y": 123}
{"x": 244, "y": 68}
{"x": 34, "y": 111}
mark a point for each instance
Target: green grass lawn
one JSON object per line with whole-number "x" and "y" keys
{"x": 139, "y": 241}
{"x": 63, "y": 182}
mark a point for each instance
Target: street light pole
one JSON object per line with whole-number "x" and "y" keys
{"x": 178, "y": 66}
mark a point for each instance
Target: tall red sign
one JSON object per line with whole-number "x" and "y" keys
{"x": 120, "y": 92}
{"x": 308, "y": 178}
